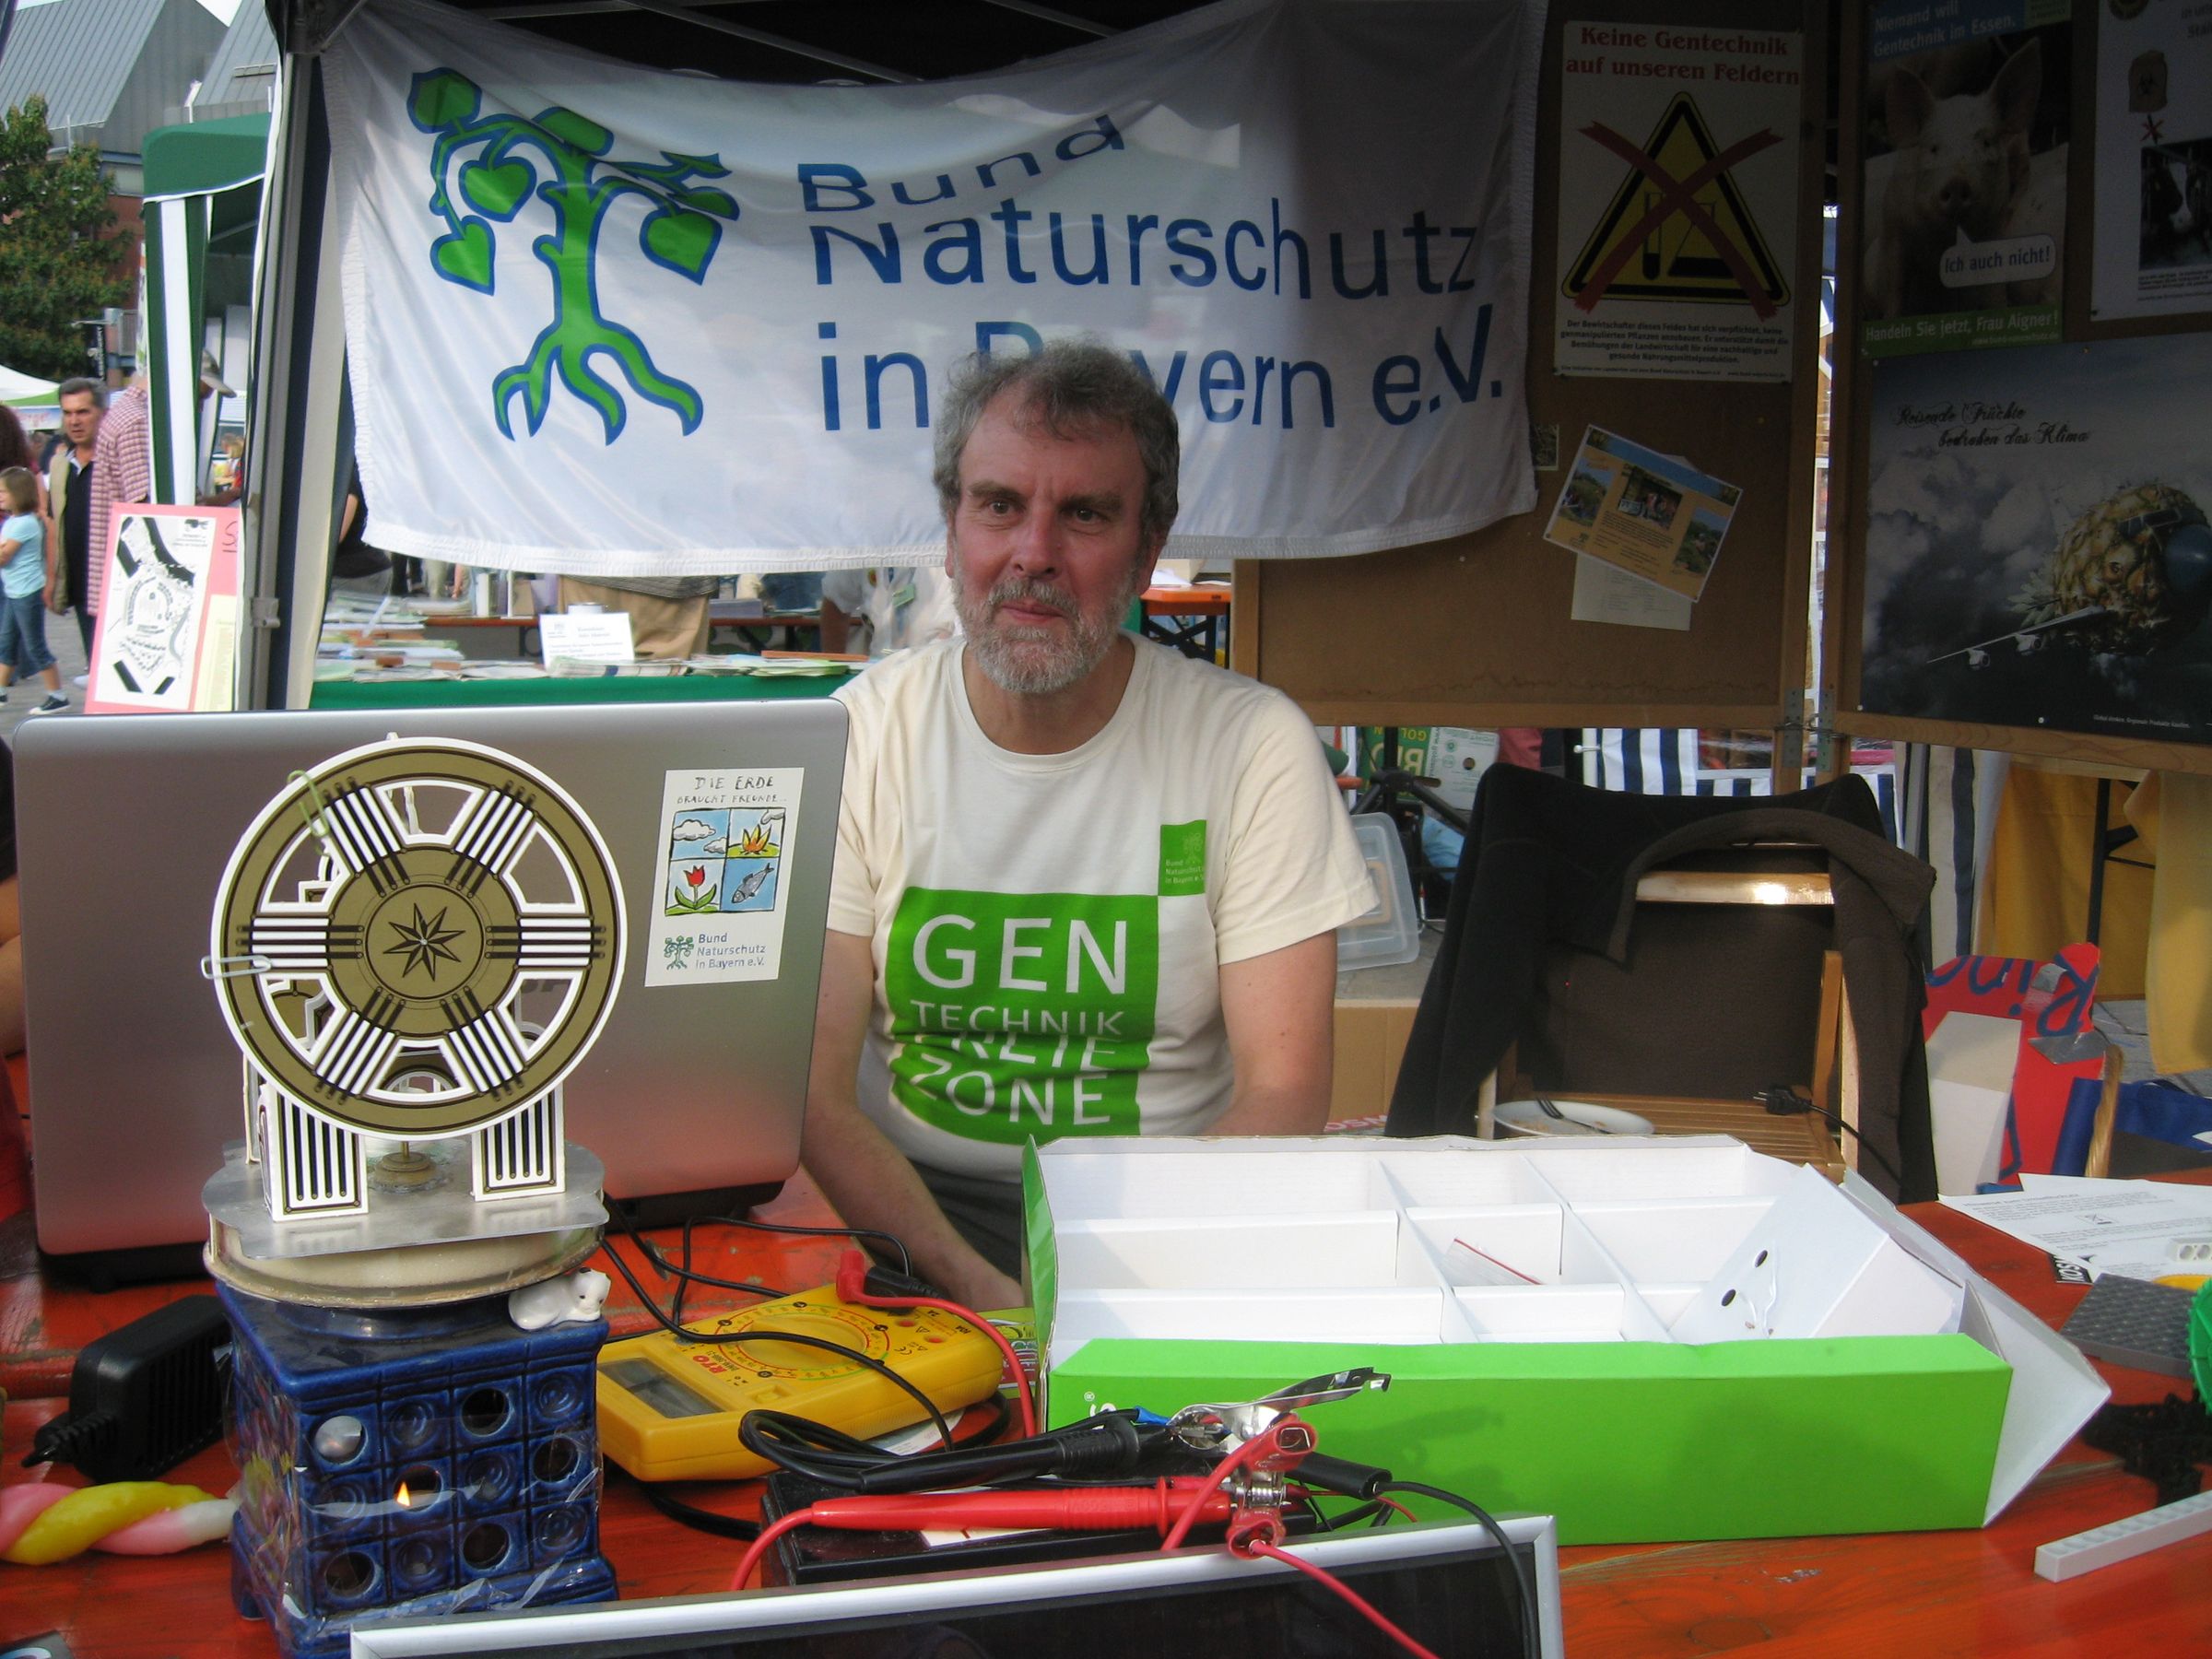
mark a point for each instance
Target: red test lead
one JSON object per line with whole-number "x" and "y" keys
{"x": 1175, "y": 1502}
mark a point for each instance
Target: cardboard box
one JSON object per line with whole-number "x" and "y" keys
{"x": 1370, "y": 1047}
{"x": 1970, "y": 1060}
{"x": 1535, "y": 1306}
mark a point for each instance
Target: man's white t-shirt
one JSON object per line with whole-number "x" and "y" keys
{"x": 1048, "y": 930}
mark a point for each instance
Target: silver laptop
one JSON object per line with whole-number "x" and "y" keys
{"x": 125, "y": 824}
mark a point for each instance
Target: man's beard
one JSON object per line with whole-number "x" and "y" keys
{"x": 1035, "y": 662}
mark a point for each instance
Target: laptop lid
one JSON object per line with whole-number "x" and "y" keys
{"x": 125, "y": 826}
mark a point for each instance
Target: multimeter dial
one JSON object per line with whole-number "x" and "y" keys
{"x": 418, "y": 937}
{"x": 864, "y": 1330}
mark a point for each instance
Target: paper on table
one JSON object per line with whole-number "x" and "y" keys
{"x": 587, "y": 636}
{"x": 2120, "y": 1227}
{"x": 1604, "y": 594}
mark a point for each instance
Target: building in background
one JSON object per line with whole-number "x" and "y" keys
{"x": 113, "y": 71}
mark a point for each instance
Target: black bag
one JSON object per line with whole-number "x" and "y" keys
{"x": 354, "y": 557}
{"x": 358, "y": 558}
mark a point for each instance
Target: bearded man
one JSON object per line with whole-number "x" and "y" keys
{"x": 1085, "y": 885}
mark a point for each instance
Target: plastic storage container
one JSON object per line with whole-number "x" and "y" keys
{"x": 1391, "y": 933}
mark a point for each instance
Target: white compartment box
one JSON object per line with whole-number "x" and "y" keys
{"x": 1659, "y": 1338}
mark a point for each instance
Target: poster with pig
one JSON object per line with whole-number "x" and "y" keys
{"x": 2038, "y": 547}
{"x": 2153, "y": 250}
{"x": 1965, "y": 203}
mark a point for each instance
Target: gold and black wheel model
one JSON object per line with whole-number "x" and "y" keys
{"x": 431, "y": 933}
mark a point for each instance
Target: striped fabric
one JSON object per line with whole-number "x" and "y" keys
{"x": 1664, "y": 761}
{"x": 173, "y": 274}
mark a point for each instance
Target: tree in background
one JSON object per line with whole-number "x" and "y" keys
{"x": 57, "y": 258}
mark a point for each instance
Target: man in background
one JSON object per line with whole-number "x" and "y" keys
{"x": 668, "y": 616}
{"x": 69, "y": 497}
{"x": 123, "y": 475}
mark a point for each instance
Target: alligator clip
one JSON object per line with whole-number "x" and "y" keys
{"x": 1222, "y": 1428}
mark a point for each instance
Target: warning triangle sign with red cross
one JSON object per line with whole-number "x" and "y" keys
{"x": 1675, "y": 257}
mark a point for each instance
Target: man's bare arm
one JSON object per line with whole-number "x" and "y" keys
{"x": 866, "y": 1177}
{"x": 1279, "y": 1009}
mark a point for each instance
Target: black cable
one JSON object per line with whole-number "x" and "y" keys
{"x": 1110, "y": 1446}
{"x": 1784, "y": 1102}
{"x": 699, "y": 1520}
{"x": 761, "y": 1334}
{"x": 1530, "y": 1635}
{"x": 1377, "y": 1514}
{"x": 685, "y": 1275}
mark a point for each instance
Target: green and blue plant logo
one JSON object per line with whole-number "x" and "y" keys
{"x": 578, "y": 182}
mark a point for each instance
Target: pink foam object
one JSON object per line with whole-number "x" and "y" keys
{"x": 20, "y": 1505}
{"x": 184, "y": 1527}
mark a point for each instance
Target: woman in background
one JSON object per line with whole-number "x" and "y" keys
{"x": 24, "y": 573}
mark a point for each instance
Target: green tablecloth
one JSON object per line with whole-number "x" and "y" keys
{"x": 604, "y": 688}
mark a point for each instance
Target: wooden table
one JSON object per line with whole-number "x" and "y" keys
{"x": 757, "y": 628}
{"x": 1925, "y": 1593}
{"x": 493, "y": 638}
{"x": 1190, "y": 618}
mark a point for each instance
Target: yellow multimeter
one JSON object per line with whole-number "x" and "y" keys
{"x": 669, "y": 1409}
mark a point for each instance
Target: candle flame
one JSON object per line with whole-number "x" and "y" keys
{"x": 403, "y": 1498}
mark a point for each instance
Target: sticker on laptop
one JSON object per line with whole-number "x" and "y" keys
{"x": 725, "y": 869}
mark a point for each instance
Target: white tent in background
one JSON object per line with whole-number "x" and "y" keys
{"x": 25, "y": 391}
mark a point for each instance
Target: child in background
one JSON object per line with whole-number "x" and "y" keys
{"x": 23, "y": 577}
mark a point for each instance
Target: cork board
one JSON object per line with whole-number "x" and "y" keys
{"x": 1475, "y": 630}
{"x": 1872, "y": 698}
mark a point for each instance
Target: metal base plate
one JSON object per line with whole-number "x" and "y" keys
{"x": 411, "y": 1249}
{"x": 410, "y": 1276}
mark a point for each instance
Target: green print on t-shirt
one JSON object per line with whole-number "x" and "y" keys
{"x": 1183, "y": 860}
{"x": 1021, "y": 1014}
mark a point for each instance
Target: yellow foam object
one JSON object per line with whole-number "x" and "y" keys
{"x": 73, "y": 1525}
{"x": 2173, "y": 811}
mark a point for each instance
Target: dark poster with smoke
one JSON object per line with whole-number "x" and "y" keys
{"x": 2038, "y": 552}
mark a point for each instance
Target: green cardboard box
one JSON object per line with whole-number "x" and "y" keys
{"x": 1652, "y": 1339}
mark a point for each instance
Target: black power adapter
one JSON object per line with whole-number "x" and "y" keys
{"x": 144, "y": 1398}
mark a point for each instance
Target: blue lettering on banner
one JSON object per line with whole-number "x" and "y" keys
{"x": 1398, "y": 380}
{"x": 1082, "y": 249}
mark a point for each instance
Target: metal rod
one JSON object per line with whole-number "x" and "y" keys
{"x": 1081, "y": 24}
{"x": 686, "y": 14}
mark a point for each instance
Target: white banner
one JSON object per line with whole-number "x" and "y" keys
{"x": 605, "y": 319}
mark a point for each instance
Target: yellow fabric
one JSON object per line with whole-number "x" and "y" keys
{"x": 2036, "y": 888}
{"x": 2173, "y": 811}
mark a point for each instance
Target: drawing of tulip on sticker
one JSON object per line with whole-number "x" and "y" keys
{"x": 694, "y": 889}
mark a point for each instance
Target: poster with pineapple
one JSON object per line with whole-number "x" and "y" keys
{"x": 2038, "y": 547}
{"x": 724, "y": 858}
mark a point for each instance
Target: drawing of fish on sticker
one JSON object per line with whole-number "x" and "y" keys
{"x": 754, "y": 861}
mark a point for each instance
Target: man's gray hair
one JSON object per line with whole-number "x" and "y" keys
{"x": 70, "y": 388}
{"x": 1070, "y": 388}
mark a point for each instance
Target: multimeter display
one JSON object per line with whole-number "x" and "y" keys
{"x": 669, "y": 1409}
{"x": 663, "y": 1393}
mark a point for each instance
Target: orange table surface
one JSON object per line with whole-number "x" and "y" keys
{"x": 1922, "y": 1594}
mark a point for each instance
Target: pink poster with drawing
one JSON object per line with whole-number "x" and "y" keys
{"x": 168, "y": 620}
